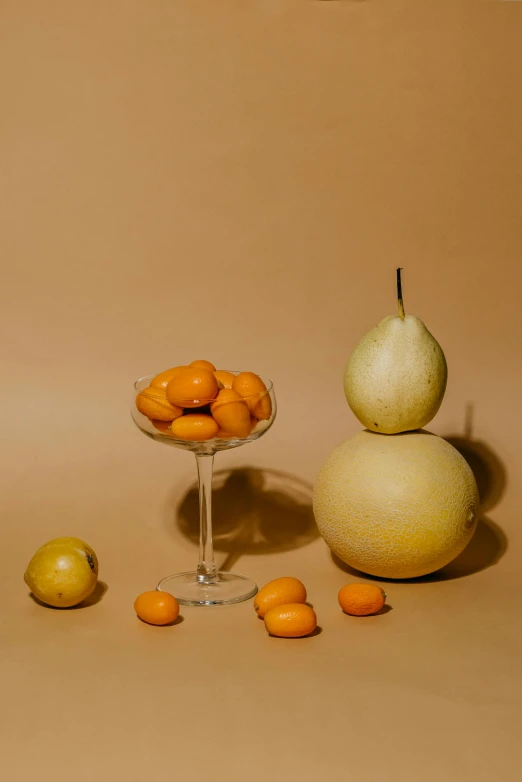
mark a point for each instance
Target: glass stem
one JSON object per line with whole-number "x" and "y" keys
{"x": 207, "y": 571}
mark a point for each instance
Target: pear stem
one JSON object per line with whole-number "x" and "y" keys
{"x": 402, "y": 314}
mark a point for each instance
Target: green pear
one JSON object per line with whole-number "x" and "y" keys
{"x": 396, "y": 377}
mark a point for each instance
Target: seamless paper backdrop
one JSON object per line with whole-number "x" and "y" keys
{"x": 238, "y": 181}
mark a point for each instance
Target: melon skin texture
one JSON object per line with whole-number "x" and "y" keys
{"x": 396, "y": 507}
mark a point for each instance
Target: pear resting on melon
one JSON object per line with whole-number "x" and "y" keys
{"x": 396, "y": 376}
{"x": 394, "y": 500}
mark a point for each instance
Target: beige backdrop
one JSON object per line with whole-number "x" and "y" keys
{"x": 237, "y": 181}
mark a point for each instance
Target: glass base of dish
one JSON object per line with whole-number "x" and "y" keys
{"x": 191, "y": 590}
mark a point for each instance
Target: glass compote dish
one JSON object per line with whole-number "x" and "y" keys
{"x": 201, "y": 426}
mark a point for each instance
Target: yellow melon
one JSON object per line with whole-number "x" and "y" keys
{"x": 396, "y": 506}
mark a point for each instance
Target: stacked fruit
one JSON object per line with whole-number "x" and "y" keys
{"x": 200, "y": 402}
{"x": 394, "y": 500}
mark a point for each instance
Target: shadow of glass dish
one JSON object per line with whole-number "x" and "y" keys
{"x": 254, "y": 511}
{"x": 489, "y": 543}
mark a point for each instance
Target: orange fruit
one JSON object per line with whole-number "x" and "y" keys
{"x": 361, "y": 599}
{"x": 162, "y": 426}
{"x": 224, "y": 378}
{"x": 202, "y": 364}
{"x": 153, "y": 403}
{"x": 291, "y": 620}
{"x": 194, "y": 427}
{"x": 162, "y": 380}
{"x": 231, "y": 412}
{"x": 277, "y": 592}
{"x": 224, "y": 435}
{"x": 255, "y": 393}
{"x": 192, "y": 388}
{"x": 157, "y": 608}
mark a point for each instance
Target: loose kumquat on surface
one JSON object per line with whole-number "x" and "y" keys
{"x": 291, "y": 620}
{"x": 361, "y": 599}
{"x": 157, "y": 608}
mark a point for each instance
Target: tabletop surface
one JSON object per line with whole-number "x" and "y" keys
{"x": 238, "y": 182}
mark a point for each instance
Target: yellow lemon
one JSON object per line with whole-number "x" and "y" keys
{"x": 63, "y": 572}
